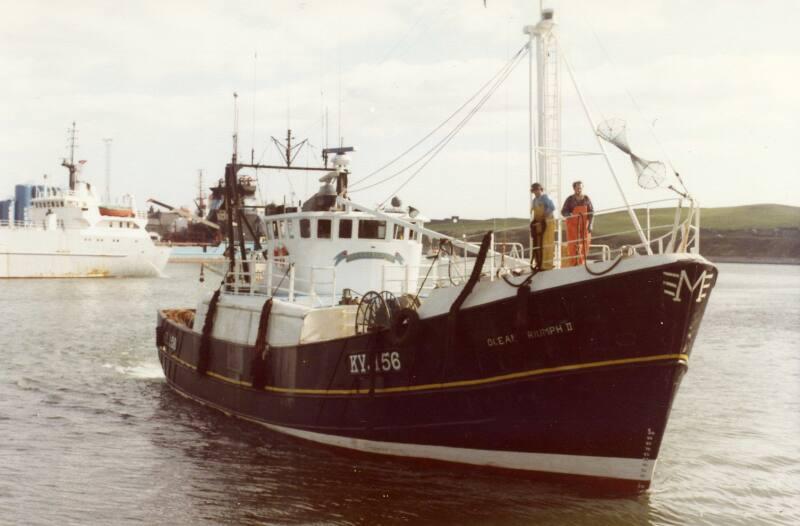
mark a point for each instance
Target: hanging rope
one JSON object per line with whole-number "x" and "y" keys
{"x": 451, "y": 336}
{"x": 203, "y": 355}
{"x": 261, "y": 349}
{"x": 436, "y": 257}
{"x": 278, "y": 286}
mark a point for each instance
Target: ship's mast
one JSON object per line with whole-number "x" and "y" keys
{"x": 201, "y": 195}
{"x": 108, "y": 169}
{"x": 232, "y": 199}
{"x": 288, "y": 147}
{"x": 545, "y": 156}
{"x": 72, "y": 135}
{"x": 234, "y": 208}
{"x": 548, "y": 143}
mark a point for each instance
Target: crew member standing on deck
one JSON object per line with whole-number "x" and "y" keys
{"x": 542, "y": 228}
{"x": 578, "y": 213}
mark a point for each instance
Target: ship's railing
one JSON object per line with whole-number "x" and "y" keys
{"x": 279, "y": 277}
{"x": 511, "y": 250}
{"x": 18, "y": 224}
{"x": 49, "y": 192}
{"x": 445, "y": 271}
{"x": 679, "y": 232}
{"x": 28, "y": 224}
{"x": 666, "y": 229}
{"x": 317, "y": 285}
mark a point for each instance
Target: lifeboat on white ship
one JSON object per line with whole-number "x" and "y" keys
{"x": 116, "y": 211}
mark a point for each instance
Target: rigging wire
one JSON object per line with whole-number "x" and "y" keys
{"x": 253, "y": 136}
{"x": 446, "y": 140}
{"x": 441, "y": 125}
{"x": 422, "y": 22}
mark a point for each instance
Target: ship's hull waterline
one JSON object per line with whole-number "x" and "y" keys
{"x": 574, "y": 381}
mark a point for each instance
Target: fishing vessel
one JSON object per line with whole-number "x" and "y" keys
{"x": 198, "y": 239}
{"x": 68, "y": 233}
{"x": 338, "y": 331}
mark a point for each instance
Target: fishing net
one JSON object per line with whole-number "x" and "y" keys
{"x": 650, "y": 174}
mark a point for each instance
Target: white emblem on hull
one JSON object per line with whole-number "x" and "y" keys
{"x": 675, "y": 283}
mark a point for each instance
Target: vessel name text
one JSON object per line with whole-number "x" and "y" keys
{"x": 507, "y": 339}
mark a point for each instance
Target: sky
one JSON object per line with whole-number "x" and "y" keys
{"x": 711, "y": 88}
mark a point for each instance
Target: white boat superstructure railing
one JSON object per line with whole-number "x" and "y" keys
{"x": 278, "y": 276}
{"x": 449, "y": 271}
{"x": 680, "y": 234}
{"x": 17, "y": 224}
{"x": 467, "y": 248}
{"x": 28, "y": 224}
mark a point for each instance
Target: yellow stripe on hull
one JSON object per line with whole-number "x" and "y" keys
{"x": 448, "y": 385}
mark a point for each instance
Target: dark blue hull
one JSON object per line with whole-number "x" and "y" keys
{"x": 577, "y": 380}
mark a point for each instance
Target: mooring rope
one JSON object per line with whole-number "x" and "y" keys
{"x": 203, "y": 355}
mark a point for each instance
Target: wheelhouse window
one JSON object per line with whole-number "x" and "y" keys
{"x": 305, "y": 228}
{"x": 371, "y": 229}
{"x": 345, "y": 228}
{"x": 324, "y": 228}
{"x": 399, "y": 232}
{"x": 290, "y": 228}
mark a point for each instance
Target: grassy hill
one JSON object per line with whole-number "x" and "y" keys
{"x": 749, "y": 233}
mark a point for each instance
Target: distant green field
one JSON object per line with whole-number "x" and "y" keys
{"x": 725, "y": 218}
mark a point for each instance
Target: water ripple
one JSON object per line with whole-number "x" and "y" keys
{"x": 90, "y": 434}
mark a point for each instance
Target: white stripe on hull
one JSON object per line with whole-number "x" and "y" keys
{"x": 608, "y": 467}
{"x": 631, "y": 469}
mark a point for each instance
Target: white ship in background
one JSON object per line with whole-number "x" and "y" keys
{"x": 67, "y": 233}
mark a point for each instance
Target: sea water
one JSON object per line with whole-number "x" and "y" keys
{"x": 91, "y": 434}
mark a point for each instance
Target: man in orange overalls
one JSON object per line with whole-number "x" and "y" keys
{"x": 578, "y": 214}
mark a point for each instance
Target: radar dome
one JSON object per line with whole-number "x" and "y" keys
{"x": 341, "y": 161}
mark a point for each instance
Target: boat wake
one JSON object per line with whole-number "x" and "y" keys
{"x": 144, "y": 371}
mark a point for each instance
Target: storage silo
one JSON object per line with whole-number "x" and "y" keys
{"x": 5, "y": 209}
{"x": 23, "y": 194}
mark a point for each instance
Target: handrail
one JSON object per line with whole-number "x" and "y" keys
{"x": 273, "y": 275}
{"x": 682, "y": 234}
{"x": 28, "y": 224}
{"x": 270, "y": 276}
{"x": 431, "y": 234}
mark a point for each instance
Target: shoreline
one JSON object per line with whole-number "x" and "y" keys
{"x": 754, "y": 261}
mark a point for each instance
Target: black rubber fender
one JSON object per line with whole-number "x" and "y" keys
{"x": 405, "y": 327}
{"x": 160, "y": 334}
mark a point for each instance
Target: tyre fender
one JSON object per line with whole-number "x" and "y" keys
{"x": 405, "y": 327}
